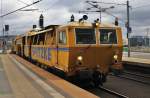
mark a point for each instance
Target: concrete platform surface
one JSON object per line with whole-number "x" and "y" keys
{"x": 16, "y": 82}
{"x": 22, "y": 79}
{"x": 66, "y": 88}
{"x": 136, "y": 61}
{"x": 137, "y": 55}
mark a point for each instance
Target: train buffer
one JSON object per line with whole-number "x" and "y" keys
{"x": 19, "y": 80}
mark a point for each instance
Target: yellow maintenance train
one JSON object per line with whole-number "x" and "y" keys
{"x": 78, "y": 49}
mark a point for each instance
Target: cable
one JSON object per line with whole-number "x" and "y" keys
{"x": 51, "y": 6}
{"x": 23, "y": 2}
{"x": 141, "y": 6}
{"x": 107, "y": 2}
{"x": 115, "y": 17}
{"x": 20, "y": 8}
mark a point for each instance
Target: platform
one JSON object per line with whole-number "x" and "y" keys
{"x": 136, "y": 61}
{"x": 18, "y": 81}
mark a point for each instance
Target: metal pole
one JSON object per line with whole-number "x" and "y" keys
{"x": 128, "y": 26}
{"x": 147, "y": 37}
{"x": 3, "y": 39}
{"x": 100, "y": 13}
{"x": 2, "y": 26}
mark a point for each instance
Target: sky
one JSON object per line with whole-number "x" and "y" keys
{"x": 59, "y": 12}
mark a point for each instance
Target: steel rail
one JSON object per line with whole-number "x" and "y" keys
{"x": 129, "y": 78}
{"x": 112, "y": 92}
{"x": 144, "y": 76}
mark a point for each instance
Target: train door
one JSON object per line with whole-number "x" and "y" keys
{"x": 29, "y": 45}
{"x": 50, "y": 43}
{"x": 23, "y": 45}
{"x": 62, "y": 49}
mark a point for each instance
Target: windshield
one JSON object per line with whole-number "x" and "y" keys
{"x": 85, "y": 36}
{"x": 108, "y": 36}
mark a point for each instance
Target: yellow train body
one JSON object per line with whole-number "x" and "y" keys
{"x": 70, "y": 49}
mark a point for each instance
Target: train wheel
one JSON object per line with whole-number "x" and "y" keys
{"x": 97, "y": 79}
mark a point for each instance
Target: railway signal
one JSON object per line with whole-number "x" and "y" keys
{"x": 116, "y": 21}
{"x": 41, "y": 21}
{"x": 34, "y": 26}
{"x": 72, "y": 18}
{"x": 6, "y": 27}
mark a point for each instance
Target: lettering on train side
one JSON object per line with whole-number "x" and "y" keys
{"x": 46, "y": 54}
{"x": 49, "y": 53}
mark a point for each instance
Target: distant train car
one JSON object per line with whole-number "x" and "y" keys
{"x": 18, "y": 45}
{"x": 28, "y": 43}
{"x": 79, "y": 49}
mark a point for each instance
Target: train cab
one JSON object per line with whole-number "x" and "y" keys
{"x": 89, "y": 50}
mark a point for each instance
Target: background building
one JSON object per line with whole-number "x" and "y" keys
{"x": 7, "y": 41}
{"x": 140, "y": 41}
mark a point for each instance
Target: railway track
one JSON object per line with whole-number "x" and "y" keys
{"x": 137, "y": 68}
{"x": 118, "y": 95}
{"x": 106, "y": 90}
{"x": 144, "y": 79}
{"x": 136, "y": 74}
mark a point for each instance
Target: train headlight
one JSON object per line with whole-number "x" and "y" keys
{"x": 97, "y": 66}
{"x": 96, "y": 24}
{"x": 80, "y": 58}
{"x": 115, "y": 57}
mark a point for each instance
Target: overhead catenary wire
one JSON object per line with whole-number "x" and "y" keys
{"x": 98, "y": 8}
{"x": 132, "y": 9}
{"x": 146, "y": 5}
{"x": 23, "y": 2}
{"x": 120, "y": 19}
{"x": 103, "y": 9}
{"x": 20, "y": 8}
{"x": 48, "y": 8}
{"x": 107, "y": 2}
{"x": 34, "y": 9}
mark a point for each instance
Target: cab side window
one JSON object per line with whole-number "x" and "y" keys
{"x": 62, "y": 38}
